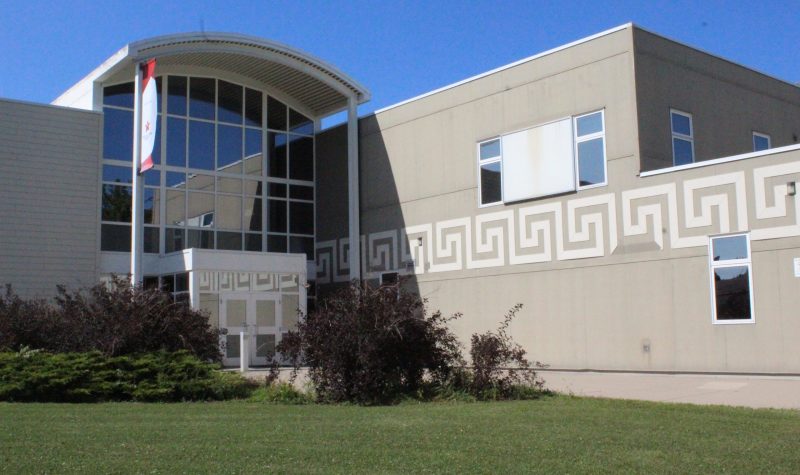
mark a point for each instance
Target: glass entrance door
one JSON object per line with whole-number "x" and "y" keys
{"x": 259, "y": 316}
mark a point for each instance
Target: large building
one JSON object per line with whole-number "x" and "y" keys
{"x": 638, "y": 196}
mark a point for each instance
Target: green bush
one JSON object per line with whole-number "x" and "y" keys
{"x": 161, "y": 376}
{"x": 281, "y": 393}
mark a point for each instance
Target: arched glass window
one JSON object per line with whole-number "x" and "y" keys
{"x": 234, "y": 170}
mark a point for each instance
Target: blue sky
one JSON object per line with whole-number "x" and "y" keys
{"x": 396, "y": 49}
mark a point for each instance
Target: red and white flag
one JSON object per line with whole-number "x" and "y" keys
{"x": 149, "y": 114}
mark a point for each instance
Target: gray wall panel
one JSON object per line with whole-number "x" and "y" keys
{"x": 49, "y": 165}
{"x": 727, "y": 102}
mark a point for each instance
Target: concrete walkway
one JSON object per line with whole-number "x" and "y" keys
{"x": 781, "y": 392}
{"x": 730, "y": 390}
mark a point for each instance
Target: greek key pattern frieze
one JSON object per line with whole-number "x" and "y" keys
{"x": 674, "y": 215}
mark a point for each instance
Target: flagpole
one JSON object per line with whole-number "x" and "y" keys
{"x": 137, "y": 211}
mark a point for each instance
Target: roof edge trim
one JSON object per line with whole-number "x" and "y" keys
{"x": 304, "y": 62}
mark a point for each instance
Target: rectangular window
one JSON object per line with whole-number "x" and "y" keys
{"x": 590, "y": 149}
{"x": 489, "y": 156}
{"x": 760, "y": 142}
{"x": 548, "y": 159}
{"x": 682, "y": 137}
{"x": 731, "y": 279}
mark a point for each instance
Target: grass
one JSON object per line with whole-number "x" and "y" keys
{"x": 551, "y": 435}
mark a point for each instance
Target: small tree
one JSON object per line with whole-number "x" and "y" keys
{"x": 499, "y": 363}
{"x": 372, "y": 345}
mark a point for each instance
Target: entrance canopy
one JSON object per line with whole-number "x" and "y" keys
{"x": 319, "y": 87}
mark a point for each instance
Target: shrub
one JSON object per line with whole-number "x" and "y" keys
{"x": 93, "y": 377}
{"x": 372, "y": 345}
{"x": 113, "y": 319}
{"x": 281, "y": 393}
{"x": 499, "y": 367}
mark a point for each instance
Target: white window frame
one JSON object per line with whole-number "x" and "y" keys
{"x": 763, "y": 136}
{"x": 712, "y": 264}
{"x": 488, "y": 161}
{"x": 676, "y": 135}
{"x": 585, "y": 138}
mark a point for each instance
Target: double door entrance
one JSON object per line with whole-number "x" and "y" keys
{"x": 259, "y": 316}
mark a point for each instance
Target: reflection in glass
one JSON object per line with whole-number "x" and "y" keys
{"x": 120, "y": 95}
{"x": 152, "y": 177}
{"x": 201, "y": 98}
{"x": 591, "y": 166}
{"x": 304, "y": 245}
{"x": 265, "y": 346}
{"x": 276, "y": 114}
{"x": 199, "y": 239}
{"x": 229, "y": 212}
{"x": 590, "y": 124}
{"x": 232, "y": 349}
{"x": 174, "y": 240}
{"x": 201, "y": 145}
{"x": 276, "y": 243}
{"x": 176, "y": 142}
{"x": 301, "y": 218}
{"x": 176, "y": 180}
{"x": 229, "y": 149}
{"x": 299, "y": 123}
{"x": 117, "y": 174}
{"x": 201, "y": 210}
{"x": 301, "y": 192}
{"x": 276, "y": 144}
{"x": 228, "y": 241}
{"x": 230, "y": 103}
{"x": 490, "y": 149}
{"x": 732, "y": 292}
{"x": 681, "y": 124}
{"x": 301, "y": 158}
{"x": 760, "y": 143}
{"x": 151, "y": 206}
{"x": 276, "y": 215}
{"x": 182, "y": 282}
{"x": 176, "y": 95}
{"x": 176, "y": 207}
{"x": 252, "y": 242}
{"x": 729, "y": 248}
{"x": 252, "y": 187}
{"x": 253, "y": 107}
{"x": 117, "y": 134}
{"x": 115, "y": 237}
{"x": 116, "y": 203}
{"x": 682, "y": 151}
{"x": 201, "y": 182}
{"x": 252, "y": 152}
{"x": 490, "y": 183}
{"x": 151, "y": 240}
{"x": 229, "y": 185}
{"x": 277, "y": 189}
{"x": 252, "y": 214}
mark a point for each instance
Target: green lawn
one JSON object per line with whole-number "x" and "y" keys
{"x": 554, "y": 434}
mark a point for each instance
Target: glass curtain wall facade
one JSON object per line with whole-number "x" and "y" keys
{"x": 234, "y": 170}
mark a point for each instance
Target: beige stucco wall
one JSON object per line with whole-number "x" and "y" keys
{"x": 728, "y": 102}
{"x": 49, "y": 210}
{"x": 619, "y": 268}
{"x": 600, "y": 313}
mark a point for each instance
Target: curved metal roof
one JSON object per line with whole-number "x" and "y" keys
{"x": 319, "y": 86}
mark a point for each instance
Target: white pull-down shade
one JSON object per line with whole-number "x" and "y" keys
{"x": 538, "y": 161}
